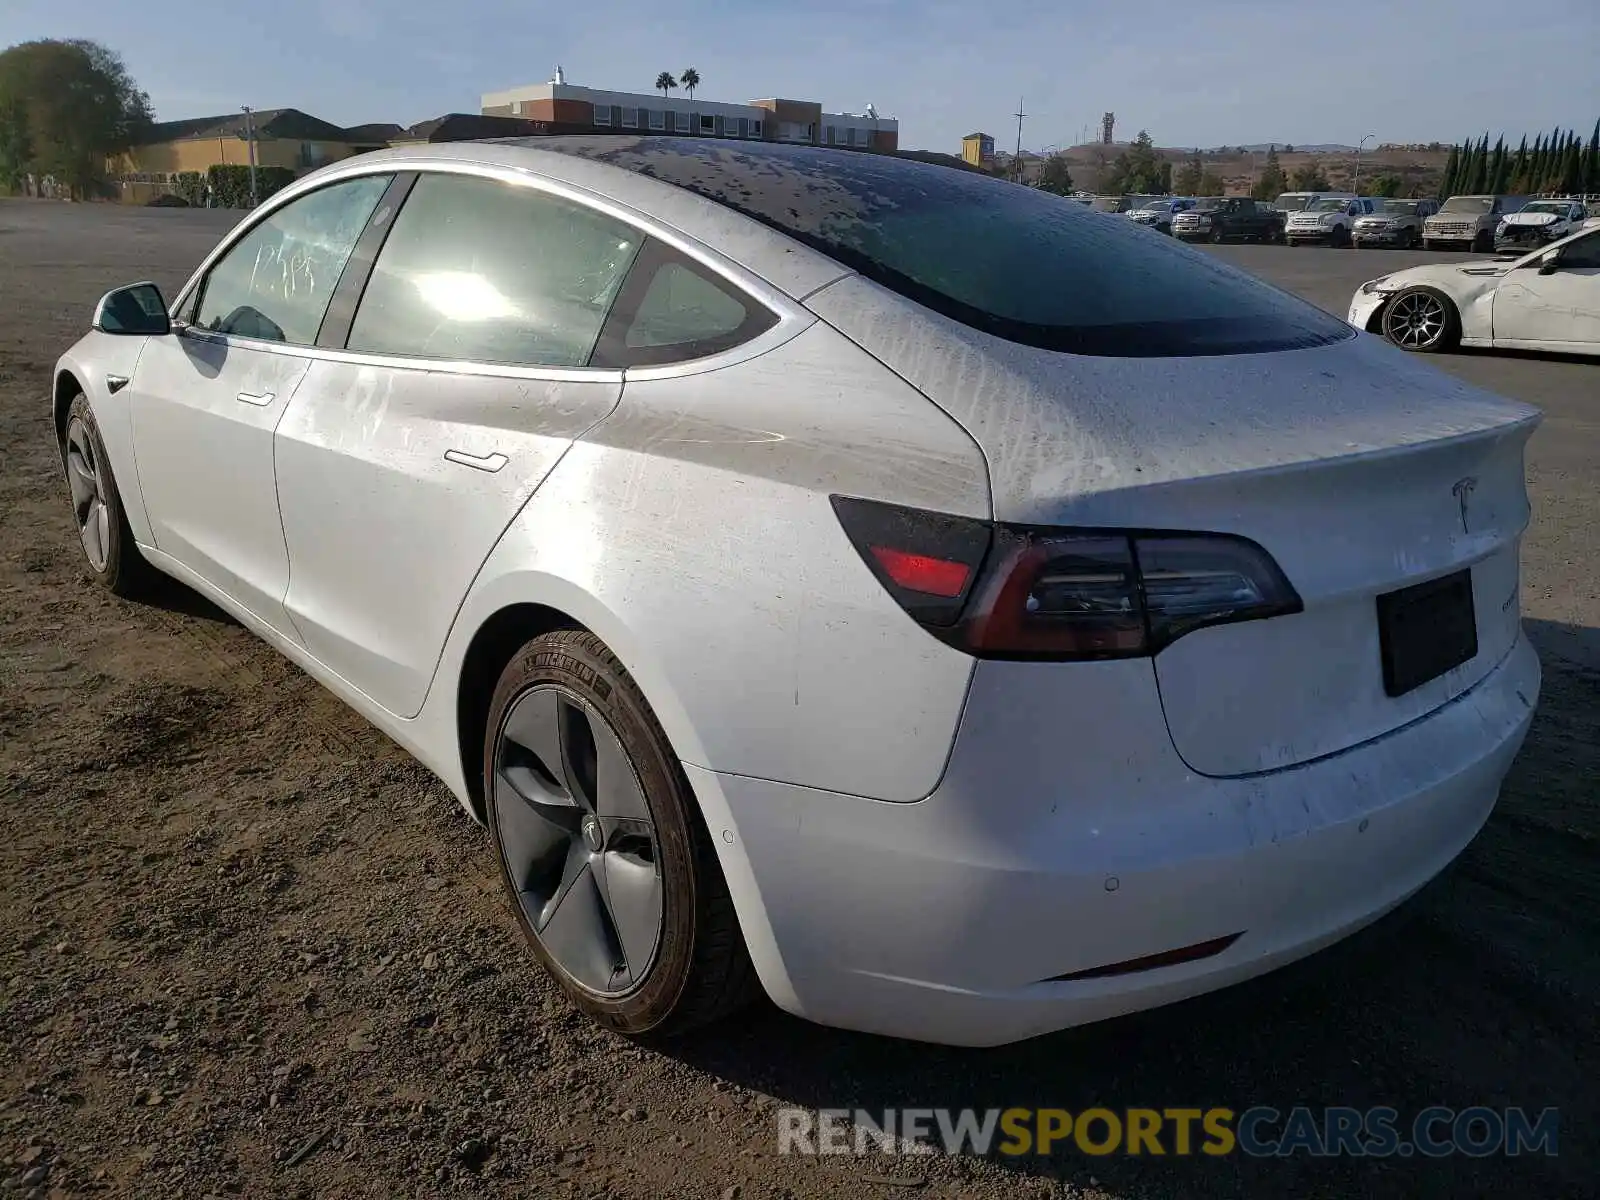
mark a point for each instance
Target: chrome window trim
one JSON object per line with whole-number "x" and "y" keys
{"x": 793, "y": 319}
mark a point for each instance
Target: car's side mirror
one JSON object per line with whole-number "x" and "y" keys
{"x": 136, "y": 310}
{"x": 1549, "y": 264}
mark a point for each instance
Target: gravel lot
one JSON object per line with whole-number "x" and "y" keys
{"x": 250, "y": 948}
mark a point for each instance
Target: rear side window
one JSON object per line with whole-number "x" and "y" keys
{"x": 1012, "y": 261}
{"x": 482, "y": 271}
{"x": 275, "y": 282}
{"x": 673, "y": 309}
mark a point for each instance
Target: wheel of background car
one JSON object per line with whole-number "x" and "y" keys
{"x": 1483, "y": 243}
{"x": 602, "y": 849}
{"x": 1218, "y": 235}
{"x": 97, "y": 506}
{"x": 1422, "y": 319}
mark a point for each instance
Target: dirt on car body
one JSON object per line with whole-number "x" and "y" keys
{"x": 251, "y": 948}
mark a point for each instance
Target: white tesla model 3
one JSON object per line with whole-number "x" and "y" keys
{"x": 956, "y": 613}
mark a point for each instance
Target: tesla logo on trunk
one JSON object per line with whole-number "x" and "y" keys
{"x": 1462, "y": 491}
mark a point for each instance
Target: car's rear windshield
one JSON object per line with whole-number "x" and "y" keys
{"x": 1468, "y": 204}
{"x": 1012, "y": 261}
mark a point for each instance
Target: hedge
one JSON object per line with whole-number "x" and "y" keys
{"x": 230, "y": 185}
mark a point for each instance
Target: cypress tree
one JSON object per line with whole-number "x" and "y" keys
{"x": 1447, "y": 183}
{"x": 1498, "y": 167}
{"x": 1478, "y": 178}
{"x": 1591, "y": 166}
{"x": 1571, "y": 170}
{"x": 1519, "y": 167}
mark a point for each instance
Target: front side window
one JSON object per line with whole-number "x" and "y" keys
{"x": 1582, "y": 253}
{"x": 482, "y": 271}
{"x": 275, "y": 282}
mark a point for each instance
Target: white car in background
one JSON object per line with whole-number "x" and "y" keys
{"x": 1538, "y": 223}
{"x": 1547, "y": 300}
{"x": 1329, "y": 219}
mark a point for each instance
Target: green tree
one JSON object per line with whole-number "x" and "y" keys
{"x": 690, "y": 78}
{"x": 1211, "y": 184}
{"x": 665, "y": 83}
{"x": 1166, "y": 177}
{"x": 1519, "y": 167}
{"x": 1137, "y": 169}
{"x": 1309, "y": 177}
{"x": 1288, "y": 148}
{"x": 1452, "y": 168}
{"x": 66, "y": 107}
{"x": 1591, "y": 164}
{"x": 1499, "y": 167}
{"x": 1055, "y": 175}
{"x": 1272, "y": 182}
{"x": 1478, "y": 167}
{"x": 1571, "y": 167}
{"x": 1387, "y": 185}
{"x": 1186, "y": 179}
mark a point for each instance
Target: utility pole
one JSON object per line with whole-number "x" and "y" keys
{"x": 250, "y": 141}
{"x": 1018, "y": 160}
{"x": 1355, "y": 183}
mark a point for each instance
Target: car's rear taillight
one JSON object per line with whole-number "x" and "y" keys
{"x": 1019, "y": 592}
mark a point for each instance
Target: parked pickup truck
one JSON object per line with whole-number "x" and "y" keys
{"x": 1233, "y": 218}
{"x": 1397, "y": 223}
{"x": 1468, "y": 222}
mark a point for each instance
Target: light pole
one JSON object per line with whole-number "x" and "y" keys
{"x": 1356, "y": 182}
{"x": 250, "y": 139}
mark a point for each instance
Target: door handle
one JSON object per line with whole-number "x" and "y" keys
{"x": 259, "y": 399}
{"x": 478, "y": 462}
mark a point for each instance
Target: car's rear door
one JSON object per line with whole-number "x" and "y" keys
{"x": 462, "y": 380}
{"x": 205, "y": 398}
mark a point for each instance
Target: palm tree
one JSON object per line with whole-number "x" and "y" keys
{"x": 665, "y": 83}
{"x": 690, "y": 78}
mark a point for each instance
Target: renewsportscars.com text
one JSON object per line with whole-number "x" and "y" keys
{"x": 1260, "y": 1131}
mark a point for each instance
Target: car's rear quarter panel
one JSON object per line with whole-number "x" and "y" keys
{"x": 694, "y": 525}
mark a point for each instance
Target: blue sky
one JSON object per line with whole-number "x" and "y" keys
{"x": 1203, "y": 72}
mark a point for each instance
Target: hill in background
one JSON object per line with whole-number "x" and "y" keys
{"x": 1419, "y": 168}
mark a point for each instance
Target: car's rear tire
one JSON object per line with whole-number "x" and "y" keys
{"x": 1483, "y": 243}
{"x": 102, "y": 523}
{"x": 602, "y": 849}
{"x": 1341, "y": 239}
{"x": 1289, "y": 241}
{"x": 1218, "y": 237}
{"x": 1423, "y": 320}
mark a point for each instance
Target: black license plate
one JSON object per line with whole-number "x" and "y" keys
{"x": 1425, "y": 630}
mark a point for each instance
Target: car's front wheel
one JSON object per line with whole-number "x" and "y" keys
{"x": 602, "y": 849}
{"x": 97, "y": 510}
{"x": 1422, "y": 319}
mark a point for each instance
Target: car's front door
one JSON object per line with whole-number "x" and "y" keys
{"x": 1562, "y": 308}
{"x": 206, "y": 398}
{"x": 463, "y": 380}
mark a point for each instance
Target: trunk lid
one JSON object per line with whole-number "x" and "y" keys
{"x": 1346, "y": 462}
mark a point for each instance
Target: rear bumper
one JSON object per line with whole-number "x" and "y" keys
{"x": 1068, "y": 835}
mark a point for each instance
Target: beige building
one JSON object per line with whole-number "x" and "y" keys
{"x": 284, "y": 137}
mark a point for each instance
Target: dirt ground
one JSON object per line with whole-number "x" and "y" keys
{"x": 248, "y": 947}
